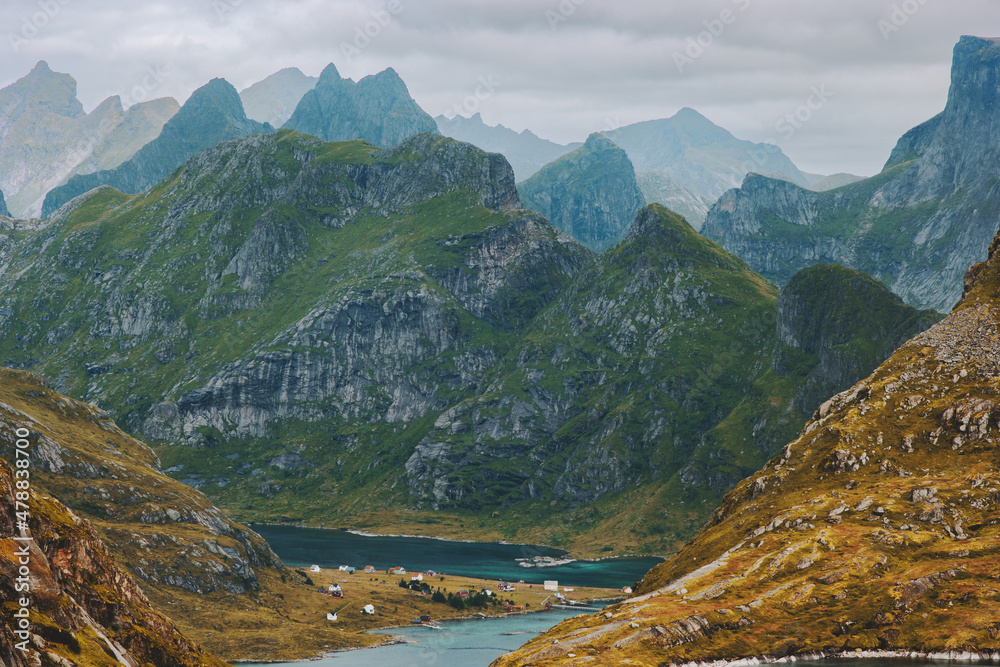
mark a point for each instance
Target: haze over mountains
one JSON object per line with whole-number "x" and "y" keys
{"x": 45, "y": 136}
{"x": 685, "y": 161}
{"x": 917, "y": 226}
{"x": 273, "y": 99}
{"x": 358, "y": 321}
{"x": 494, "y": 361}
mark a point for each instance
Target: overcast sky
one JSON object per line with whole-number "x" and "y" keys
{"x": 562, "y": 68}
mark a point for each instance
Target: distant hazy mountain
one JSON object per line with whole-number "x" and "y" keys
{"x": 378, "y": 109}
{"x": 591, "y": 193}
{"x": 820, "y": 183}
{"x": 526, "y": 151}
{"x": 212, "y": 114}
{"x": 45, "y": 136}
{"x": 917, "y": 226}
{"x": 140, "y": 124}
{"x": 659, "y": 187}
{"x": 699, "y": 155}
{"x": 273, "y": 99}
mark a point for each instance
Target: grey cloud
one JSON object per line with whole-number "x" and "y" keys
{"x": 602, "y": 62}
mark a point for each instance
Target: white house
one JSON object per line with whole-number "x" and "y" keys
{"x": 331, "y": 617}
{"x": 315, "y": 568}
{"x": 369, "y": 609}
{"x": 551, "y": 585}
{"x": 417, "y": 577}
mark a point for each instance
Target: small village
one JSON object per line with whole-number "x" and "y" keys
{"x": 436, "y": 596}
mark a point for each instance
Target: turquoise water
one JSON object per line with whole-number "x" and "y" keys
{"x": 301, "y": 547}
{"x": 471, "y": 643}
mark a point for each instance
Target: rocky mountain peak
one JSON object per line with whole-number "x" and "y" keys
{"x": 330, "y": 76}
{"x": 216, "y": 94}
{"x": 598, "y": 141}
{"x": 378, "y": 109}
{"x": 40, "y": 91}
{"x": 591, "y": 194}
{"x": 656, "y": 223}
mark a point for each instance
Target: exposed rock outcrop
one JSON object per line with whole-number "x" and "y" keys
{"x": 79, "y": 601}
{"x": 393, "y": 317}
{"x": 212, "y": 114}
{"x": 916, "y": 226}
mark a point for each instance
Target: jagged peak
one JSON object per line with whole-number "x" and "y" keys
{"x": 51, "y": 91}
{"x": 330, "y": 76}
{"x": 387, "y": 80}
{"x": 212, "y": 93}
{"x": 41, "y": 68}
{"x": 112, "y": 104}
{"x": 597, "y": 141}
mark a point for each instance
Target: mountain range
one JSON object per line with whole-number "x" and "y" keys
{"x": 293, "y": 323}
{"x": 917, "y": 226}
{"x": 45, "y": 136}
{"x": 378, "y": 332}
{"x": 684, "y": 162}
{"x": 874, "y": 531}
{"x": 212, "y": 114}
{"x": 526, "y": 151}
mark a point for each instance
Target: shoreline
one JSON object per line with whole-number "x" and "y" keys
{"x": 366, "y": 533}
{"x": 395, "y": 640}
{"x": 816, "y": 656}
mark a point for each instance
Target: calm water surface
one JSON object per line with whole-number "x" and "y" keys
{"x": 301, "y": 547}
{"x": 471, "y": 643}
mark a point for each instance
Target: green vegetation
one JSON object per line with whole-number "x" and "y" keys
{"x": 337, "y": 335}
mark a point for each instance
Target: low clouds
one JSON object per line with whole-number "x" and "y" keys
{"x": 563, "y": 68}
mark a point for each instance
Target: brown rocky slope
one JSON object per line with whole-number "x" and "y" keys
{"x": 82, "y": 608}
{"x": 217, "y": 581}
{"x": 877, "y": 529}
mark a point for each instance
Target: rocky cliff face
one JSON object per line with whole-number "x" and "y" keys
{"x": 377, "y": 109}
{"x": 300, "y": 326}
{"x": 3, "y": 206}
{"x": 844, "y": 320}
{"x": 193, "y": 563}
{"x": 45, "y": 137}
{"x": 273, "y": 99}
{"x": 212, "y": 114}
{"x": 84, "y": 609}
{"x": 591, "y": 193}
{"x": 526, "y": 151}
{"x": 916, "y": 226}
{"x": 875, "y": 530}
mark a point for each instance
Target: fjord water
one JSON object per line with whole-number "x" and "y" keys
{"x": 467, "y": 643}
{"x": 301, "y": 547}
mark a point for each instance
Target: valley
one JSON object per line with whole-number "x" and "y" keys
{"x": 293, "y": 363}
